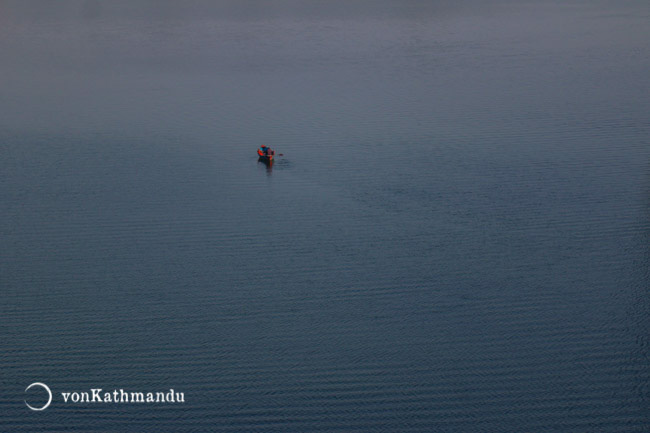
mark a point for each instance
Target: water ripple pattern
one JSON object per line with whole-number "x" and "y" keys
{"x": 455, "y": 240}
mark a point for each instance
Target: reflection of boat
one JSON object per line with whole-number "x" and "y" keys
{"x": 267, "y": 156}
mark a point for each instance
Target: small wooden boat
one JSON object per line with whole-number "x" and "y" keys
{"x": 266, "y": 158}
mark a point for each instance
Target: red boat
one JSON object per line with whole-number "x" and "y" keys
{"x": 266, "y": 154}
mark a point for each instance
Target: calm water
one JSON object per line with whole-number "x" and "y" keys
{"x": 455, "y": 240}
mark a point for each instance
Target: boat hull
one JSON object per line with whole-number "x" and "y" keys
{"x": 266, "y": 159}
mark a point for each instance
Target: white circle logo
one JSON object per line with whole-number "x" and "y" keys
{"x": 49, "y": 393}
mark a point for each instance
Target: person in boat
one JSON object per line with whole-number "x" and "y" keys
{"x": 266, "y": 151}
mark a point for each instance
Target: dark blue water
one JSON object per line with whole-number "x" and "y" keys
{"x": 455, "y": 240}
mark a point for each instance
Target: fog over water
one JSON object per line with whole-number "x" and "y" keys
{"x": 456, "y": 238}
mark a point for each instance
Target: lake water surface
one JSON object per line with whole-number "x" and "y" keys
{"x": 456, "y": 239}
